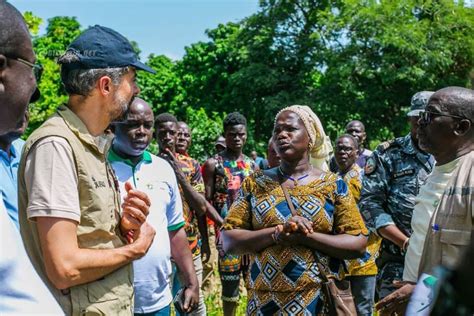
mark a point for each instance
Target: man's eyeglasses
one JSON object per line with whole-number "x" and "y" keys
{"x": 344, "y": 149}
{"x": 37, "y": 68}
{"x": 426, "y": 116}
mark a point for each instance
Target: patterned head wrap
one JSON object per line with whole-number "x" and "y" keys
{"x": 320, "y": 146}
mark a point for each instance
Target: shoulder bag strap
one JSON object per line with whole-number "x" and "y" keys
{"x": 288, "y": 200}
{"x": 321, "y": 267}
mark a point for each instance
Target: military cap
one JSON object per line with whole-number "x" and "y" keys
{"x": 419, "y": 102}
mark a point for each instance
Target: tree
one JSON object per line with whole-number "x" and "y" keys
{"x": 163, "y": 90}
{"x": 205, "y": 131}
{"x": 33, "y": 22}
{"x": 59, "y": 34}
{"x": 381, "y": 53}
{"x": 346, "y": 59}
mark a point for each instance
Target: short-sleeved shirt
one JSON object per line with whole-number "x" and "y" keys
{"x": 44, "y": 177}
{"x": 9, "y": 175}
{"x": 280, "y": 274}
{"x": 22, "y": 291}
{"x": 192, "y": 170}
{"x": 155, "y": 177}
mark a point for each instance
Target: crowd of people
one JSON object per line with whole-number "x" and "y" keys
{"x": 92, "y": 223}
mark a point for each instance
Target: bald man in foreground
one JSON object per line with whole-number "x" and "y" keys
{"x": 443, "y": 218}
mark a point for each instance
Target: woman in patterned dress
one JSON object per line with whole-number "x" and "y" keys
{"x": 284, "y": 278}
{"x": 223, "y": 176}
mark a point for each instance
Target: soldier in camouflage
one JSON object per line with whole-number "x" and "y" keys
{"x": 393, "y": 176}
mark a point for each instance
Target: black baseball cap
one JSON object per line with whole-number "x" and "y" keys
{"x": 101, "y": 47}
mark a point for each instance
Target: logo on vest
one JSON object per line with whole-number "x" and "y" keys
{"x": 98, "y": 184}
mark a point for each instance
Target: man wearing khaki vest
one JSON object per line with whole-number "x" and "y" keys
{"x": 71, "y": 220}
{"x": 443, "y": 217}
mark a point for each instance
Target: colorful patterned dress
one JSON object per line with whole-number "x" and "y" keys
{"x": 366, "y": 264}
{"x": 192, "y": 170}
{"x": 229, "y": 176}
{"x": 282, "y": 279}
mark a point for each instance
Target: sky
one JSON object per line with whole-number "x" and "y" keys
{"x": 158, "y": 26}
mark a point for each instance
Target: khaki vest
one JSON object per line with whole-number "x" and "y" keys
{"x": 451, "y": 225}
{"x": 99, "y": 224}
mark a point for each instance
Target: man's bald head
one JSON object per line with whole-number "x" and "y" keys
{"x": 13, "y": 29}
{"x": 446, "y": 128}
{"x": 355, "y": 123}
{"x": 140, "y": 106}
{"x": 134, "y": 133}
{"x": 17, "y": 82}
{"x": 456, "y": 101}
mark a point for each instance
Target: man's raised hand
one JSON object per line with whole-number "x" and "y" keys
{"x": 135, "y": 209}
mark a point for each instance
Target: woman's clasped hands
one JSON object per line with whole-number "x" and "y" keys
{"x": 291, "y": 232}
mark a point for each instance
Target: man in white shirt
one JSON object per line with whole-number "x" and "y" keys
{"x": 154, "y": 176}
{"x": 443, "y": 217}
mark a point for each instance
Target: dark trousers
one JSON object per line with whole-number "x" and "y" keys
{"x": 363, "y": 291}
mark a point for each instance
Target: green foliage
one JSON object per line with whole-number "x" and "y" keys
{"x": 381, "y": 53}
{"x": 59, "y": 33}
{"x": 346, "y": 59}
{"x": 136, "y": 48}
{"x": 205, "y": 131}
{"x": 33, "y": 22}
{"x": 206, "y": 69}
{"x": 51, "y": 95}
{"x": 163, "y": 90}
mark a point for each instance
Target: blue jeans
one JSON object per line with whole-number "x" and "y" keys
{"x": 165, "y": 311}
{"x": 363, "y": 291}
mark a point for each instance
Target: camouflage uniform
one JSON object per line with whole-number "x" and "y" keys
{"x": 393, "y": 176}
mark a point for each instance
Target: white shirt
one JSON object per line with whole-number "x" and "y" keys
{"x": 22, "y": 292}
{"x": 155, "y": 177}
{"x": 425, "y": 205}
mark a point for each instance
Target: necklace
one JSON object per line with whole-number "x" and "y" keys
{"x": 295, "y": 181}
